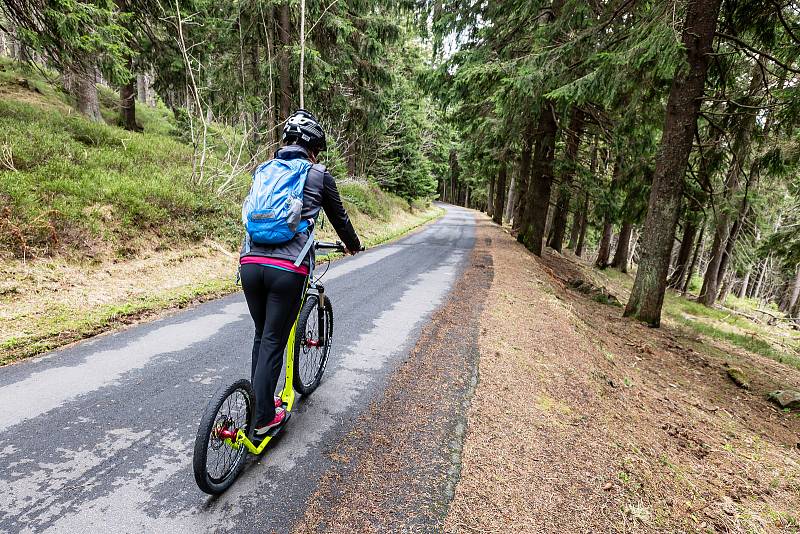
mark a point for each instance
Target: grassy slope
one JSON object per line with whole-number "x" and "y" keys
{"x": 778, "y": 343}
{"x": 84, "y": 189}
{"x": 100, "y": 226}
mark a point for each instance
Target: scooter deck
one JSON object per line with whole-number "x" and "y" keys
{"x": 257, "y": 450}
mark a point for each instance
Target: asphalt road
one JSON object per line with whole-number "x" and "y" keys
{"x": 99, "y": 435}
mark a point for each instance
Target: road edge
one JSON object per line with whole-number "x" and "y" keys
{"x": 167, "y": 304}
{"x": 397, "y": 469}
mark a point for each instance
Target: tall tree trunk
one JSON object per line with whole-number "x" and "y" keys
{"x": 680, "y": 125}
{"x": 573, "y": 135}
{"x": 795, "y": 295}
{"x": 682, "y": 262}
{"x": 575, "y": 229}
{"x": 584, "y": 227}
{"x": 579, "y": 222}
{"x": 696, "y": 201}
{"x": 582, "y": 214}
{"x": 783, "y": 305}
{"x": 500, "y": 193}
{"x": 141, "y": 88}
{"x": 509, "y": 208}
{"x": 127, "y": 105}
{"x": 548, "y": 225}
{"x": 730, "y": 245}
{"x": 490, "y": 197}
{"x": 695, "y": 256}
{"x": 127, "y": 101}
{"x": 622, "y": 252}
{"x": 524, "y": 178}
{"x": 745, "y": 282}
{"x": 604, "y": 249}
{"x": 723, "y": 230}
{"x": 82, "y": 85}
{"x": 455, "y": 171}
{"x": 268, "y": 22}
{"x": 761, "y": 275}
{"x": 757, "y": 268}
{"x": 725, "y": 288}
{"x": 794, "y": 312}
{"x": 537, "y": 202}
{"x": 620, "y": 260}
{"x": 254, "y": 51}
{"x": 795, "y": 289}
{"x": 284, "y": 34}
{"x": 632, "y": 254}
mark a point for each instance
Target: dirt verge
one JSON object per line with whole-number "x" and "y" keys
{"x": 396, "y": 471}
{"x": 586, "y": 422}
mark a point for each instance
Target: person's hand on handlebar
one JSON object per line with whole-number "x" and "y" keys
{"x": 349, "y": 252}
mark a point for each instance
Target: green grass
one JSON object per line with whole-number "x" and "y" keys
{"x": 74, "y": 187}
{"x": 716, "y": 323}
{"x": 70, "y": 184}
{"x": 721, "y": 324}
{"x": 60, "y": 325}
{"x": 369, "y": 199}
{"x": 745, "y": 341}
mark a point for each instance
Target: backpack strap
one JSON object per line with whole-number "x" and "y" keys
{"x": 306, "y": 247}
{"x": 320, "y": 170}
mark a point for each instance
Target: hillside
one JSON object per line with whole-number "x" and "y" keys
{"x": 607, "y": 425}
{"x": 100, "y": 226}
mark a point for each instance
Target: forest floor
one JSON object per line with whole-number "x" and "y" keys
{"x": 583, "y": 421}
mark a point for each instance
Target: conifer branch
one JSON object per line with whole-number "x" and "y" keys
{"x": 757, "y": 51}
{"x": 785, "y": 24}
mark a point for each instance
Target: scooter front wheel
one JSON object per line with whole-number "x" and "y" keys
{"x": 313, "y": 337}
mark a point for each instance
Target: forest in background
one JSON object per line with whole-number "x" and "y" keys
{"x": 235, "y": 67}
{"x": 658, "y": 135}
{"x": 128, "y": 132}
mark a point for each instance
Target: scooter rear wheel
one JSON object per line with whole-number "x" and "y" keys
{"x": 216, "y": 462}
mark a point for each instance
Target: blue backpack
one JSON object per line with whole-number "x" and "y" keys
{"x": 271, "y": 213}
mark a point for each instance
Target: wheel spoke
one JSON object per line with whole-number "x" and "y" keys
{"x": 221, "y": 458}
{"x": 311, "y": 357}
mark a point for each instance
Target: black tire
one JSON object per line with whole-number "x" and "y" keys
{"x": 231, "y": 407}
{"x": 310, "y": 360}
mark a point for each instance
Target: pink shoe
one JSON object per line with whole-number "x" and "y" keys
{"x": 278, "y": 402}
{"x": 260, "y": 432}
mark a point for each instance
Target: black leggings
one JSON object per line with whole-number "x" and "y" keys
{"x": 273, "y": 296}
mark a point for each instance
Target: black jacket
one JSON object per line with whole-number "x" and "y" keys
{"x": 320, "y": 191}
